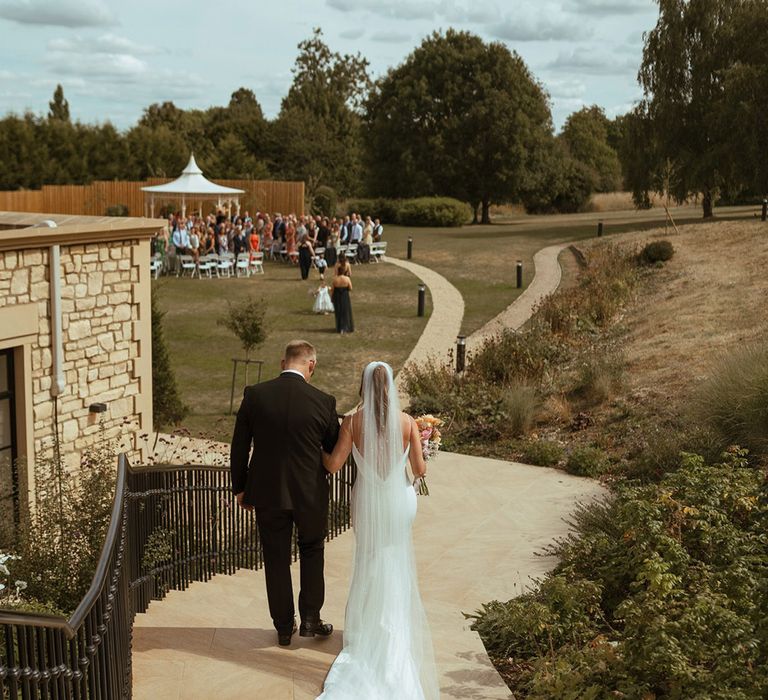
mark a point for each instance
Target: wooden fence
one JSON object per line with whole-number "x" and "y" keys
{"x": 94, "y": 199}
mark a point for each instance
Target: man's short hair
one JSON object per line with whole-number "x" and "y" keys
{"x": 299, "y": 350}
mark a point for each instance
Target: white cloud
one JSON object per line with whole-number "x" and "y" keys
{"x": 390, "y": 37}
{"x": 565, "y": 89}
{"x": 398, "y": 9}
{"x": 58, "y": 13}
{"x": 100, "y": 65}
{"x": 541, "y": 28}
{"x": 611, "y": 7}
{"x": 104, "y": 44}
{"x": 587, "y": 61}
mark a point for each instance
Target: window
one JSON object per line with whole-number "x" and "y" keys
{"x": 9, "y": 477}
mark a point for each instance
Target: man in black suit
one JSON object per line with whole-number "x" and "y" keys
{"x": 288, "y": 422}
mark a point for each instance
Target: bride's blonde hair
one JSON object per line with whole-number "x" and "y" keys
{"x": 380, "y": 387}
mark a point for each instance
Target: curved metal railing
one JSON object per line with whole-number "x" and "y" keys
{"x": 170, "y": 525}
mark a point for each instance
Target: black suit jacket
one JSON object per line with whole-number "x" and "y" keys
{"x": 287, "y": 421}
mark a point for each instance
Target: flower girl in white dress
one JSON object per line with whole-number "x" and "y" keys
{"x": 323, "y": 303}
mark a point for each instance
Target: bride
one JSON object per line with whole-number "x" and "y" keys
{"x": 387, "y": 650}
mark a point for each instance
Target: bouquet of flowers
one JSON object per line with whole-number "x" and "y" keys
{"x": 429, "y": 428}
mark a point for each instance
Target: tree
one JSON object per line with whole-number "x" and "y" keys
{"x": 167, "y": 406}
{"x": 316, "y": 137}
{"x": 58, "y": 107}
{"x": 694, "y": 64}
{"x": 458, "y": 117}
{"x": 246, "y": 320}
{"x": 585, "y": 133}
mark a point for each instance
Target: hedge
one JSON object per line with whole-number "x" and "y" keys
{"x": 422, "y": 211}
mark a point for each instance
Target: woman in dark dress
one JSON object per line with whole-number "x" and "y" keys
{"x": 306, "y": 253}
{"x": 342, "y": 302}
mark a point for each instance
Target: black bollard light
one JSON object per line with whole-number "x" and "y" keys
{"x": 461, "y": 353}
{"x": 422, "y": 298}
{"x": 765, "y": 209}
{"x": 410, "y": 248}
{"x": 599, "y": 229}
{"x": 519, "y": 274}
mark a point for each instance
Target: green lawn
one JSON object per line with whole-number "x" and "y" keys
{"x": 386, "y": 328}
{"x": 480, "y": 260}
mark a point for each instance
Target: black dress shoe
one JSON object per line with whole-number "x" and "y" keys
{"x": 284, "y": 638}
{"x": 311, "y": 628}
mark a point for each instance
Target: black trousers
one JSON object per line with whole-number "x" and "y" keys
{"x": 275, "y": 531}
{"x": 305, "y": 262}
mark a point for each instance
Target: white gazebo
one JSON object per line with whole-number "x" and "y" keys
{"x": 194, "y": 185}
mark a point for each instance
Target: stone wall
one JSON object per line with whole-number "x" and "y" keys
{"x": 106, "y": 339}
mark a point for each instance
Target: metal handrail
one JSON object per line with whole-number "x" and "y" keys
{"x": 88, "y": 655}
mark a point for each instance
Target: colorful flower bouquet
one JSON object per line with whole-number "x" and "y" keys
{"x": 429, "y": 427}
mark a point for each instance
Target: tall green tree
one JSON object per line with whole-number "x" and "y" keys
{"x": 58, "y": 108}
{"x": 317, "y": 134}
{"x": 585, "y": 133}
{"x": 458, "y": 117}
{"x": 701, "y": 64}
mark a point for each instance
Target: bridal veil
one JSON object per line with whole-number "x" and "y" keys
{"x": 387, "y": 645}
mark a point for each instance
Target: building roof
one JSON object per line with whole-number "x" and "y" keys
{"x": 193, "y": 182}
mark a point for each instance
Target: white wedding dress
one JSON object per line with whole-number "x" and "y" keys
{"x": 387, "y": 652}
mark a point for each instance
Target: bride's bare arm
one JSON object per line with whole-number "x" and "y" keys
{"x": 334, "y": 461}
{"x": 416, "y": 457}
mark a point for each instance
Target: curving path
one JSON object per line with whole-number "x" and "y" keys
{"x": 444, "y": 324}
{"x": 545, "y": 281}
{"x": 477, "y": 536}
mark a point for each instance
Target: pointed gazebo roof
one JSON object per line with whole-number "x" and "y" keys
{"x": 192, "y": 182}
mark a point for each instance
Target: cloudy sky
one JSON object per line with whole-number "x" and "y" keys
{"x": 115, "y": 58}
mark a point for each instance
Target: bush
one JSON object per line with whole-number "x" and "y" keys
{"x": 434, "y": 211}
{"x": 561, "y": 184}
{"x": 733, "y": 402}
{"x": 60, "y": 548}
{"x": 167, "y": 406}
{"x": 325, "y": 201}
{"x": 543, "y": 453}
{"x": 423, "y": 211}
{"x": 655, "y": 252}
{"x": 587, "y": 461}
{"x": 117, "y": 210}
{"x": 598, "y": 376}
{"x": 520, "y": 404}
{"x": 660, "y": 592}
{"x": 511, "y": 356}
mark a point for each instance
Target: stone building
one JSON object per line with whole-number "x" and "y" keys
{"x": 75, "y": 337}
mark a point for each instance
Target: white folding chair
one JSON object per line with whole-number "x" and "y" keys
{"x": 378, "y": 250}
{"x": 352, "y": 252}
{"x": 155, "y": 265}
{"x": 188, "y": 265}
{"x": 257, "y": 266}
{"x": 225, "y": 265}
{"x": 207, "y": 265}
{"x": 243, "y": 264}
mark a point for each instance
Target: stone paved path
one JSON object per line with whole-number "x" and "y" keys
{"x": 476, "y": 539}
{"x": 545, "y": 281}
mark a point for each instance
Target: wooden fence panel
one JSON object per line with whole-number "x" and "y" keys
{"x": 94, "y": 199}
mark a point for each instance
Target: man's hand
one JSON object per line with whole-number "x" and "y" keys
{"x": 239, "y": 497}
